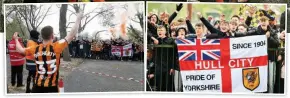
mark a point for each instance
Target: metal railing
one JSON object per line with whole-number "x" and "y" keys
{"x": 160, "y": 60}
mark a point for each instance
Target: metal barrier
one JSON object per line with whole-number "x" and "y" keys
{"x": 161, "y": 59}
{"x": 278, "y": 85}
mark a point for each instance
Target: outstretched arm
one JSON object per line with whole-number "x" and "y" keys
{"x": 268, "y": 15}
{"x": 190, "y": 27}
{"x": 75, "y": 28}
{"x": 178, "y": 8}
{"x": 19, "y": 47}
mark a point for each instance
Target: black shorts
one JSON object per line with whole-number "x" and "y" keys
{"x": 38, "y": 89}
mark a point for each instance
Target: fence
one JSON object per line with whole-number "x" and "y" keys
{"x": 161, "y": 59}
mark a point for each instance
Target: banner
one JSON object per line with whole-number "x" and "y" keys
{"x": 127, "y": 50}
{"x": 224, "y": 65}
{"x": 122, "y": 51}
{"x": 116, "y": 50}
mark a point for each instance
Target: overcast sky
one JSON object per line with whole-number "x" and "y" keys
{"x": 94, "y": 25}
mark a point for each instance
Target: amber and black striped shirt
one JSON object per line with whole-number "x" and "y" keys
{"x": 47, "y": 59}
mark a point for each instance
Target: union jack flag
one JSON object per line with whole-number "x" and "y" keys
{"x": 198, "y": 49}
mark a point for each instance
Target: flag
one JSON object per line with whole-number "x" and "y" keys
{"x": 237, "y": 65}
{"x": 122, "y": 51}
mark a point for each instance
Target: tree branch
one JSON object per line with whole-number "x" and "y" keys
{"x": 37, "y": 14}
{"x": 23, "y": 15}
{"x": 20, "y": 25}
{"x": 44, "y": 16}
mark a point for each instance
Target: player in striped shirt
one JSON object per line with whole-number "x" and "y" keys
{"x": 47, "y": 57}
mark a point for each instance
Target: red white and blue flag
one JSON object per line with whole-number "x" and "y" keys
{"x": 192, "y": 49}
{"x": 223, "y": 65}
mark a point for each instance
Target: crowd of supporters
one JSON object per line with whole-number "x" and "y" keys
{"x": 98, "y": 49}
{"x": 163, "y": 29}
{"x": 92, "y": 49}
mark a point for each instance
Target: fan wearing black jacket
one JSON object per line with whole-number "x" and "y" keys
{"x": 165, "y": 61}
{"x": 273, "y": 42}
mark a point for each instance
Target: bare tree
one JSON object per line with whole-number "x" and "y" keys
{"x": 32, "y": 15}
{"x": 138, "y": 18}
{"x": 62, "y": 29}
{"x": 20, "y": 25}
{"x": 15, "y": 25}
{"x": 62, "y": 20}
{"x": 14, "y": 22}
{"x": 134, "y": 34}
{"x": 105, "y": 12}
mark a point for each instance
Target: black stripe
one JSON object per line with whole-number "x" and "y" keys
{"x": 30, "y": 66}
{"x": 36, "y": 59}
{"x": 30, "y": 61}
{"x": 44, "y": 59}
{"x": 52, "y": 57}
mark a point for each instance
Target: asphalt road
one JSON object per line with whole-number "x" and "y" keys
{"x": 106, "y": 76}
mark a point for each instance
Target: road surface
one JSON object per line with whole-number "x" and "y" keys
{"x": 106, "y": 76}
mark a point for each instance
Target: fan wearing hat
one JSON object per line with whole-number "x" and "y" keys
{"x": 30, "y": 63}
{"x": 181, "y": 32}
